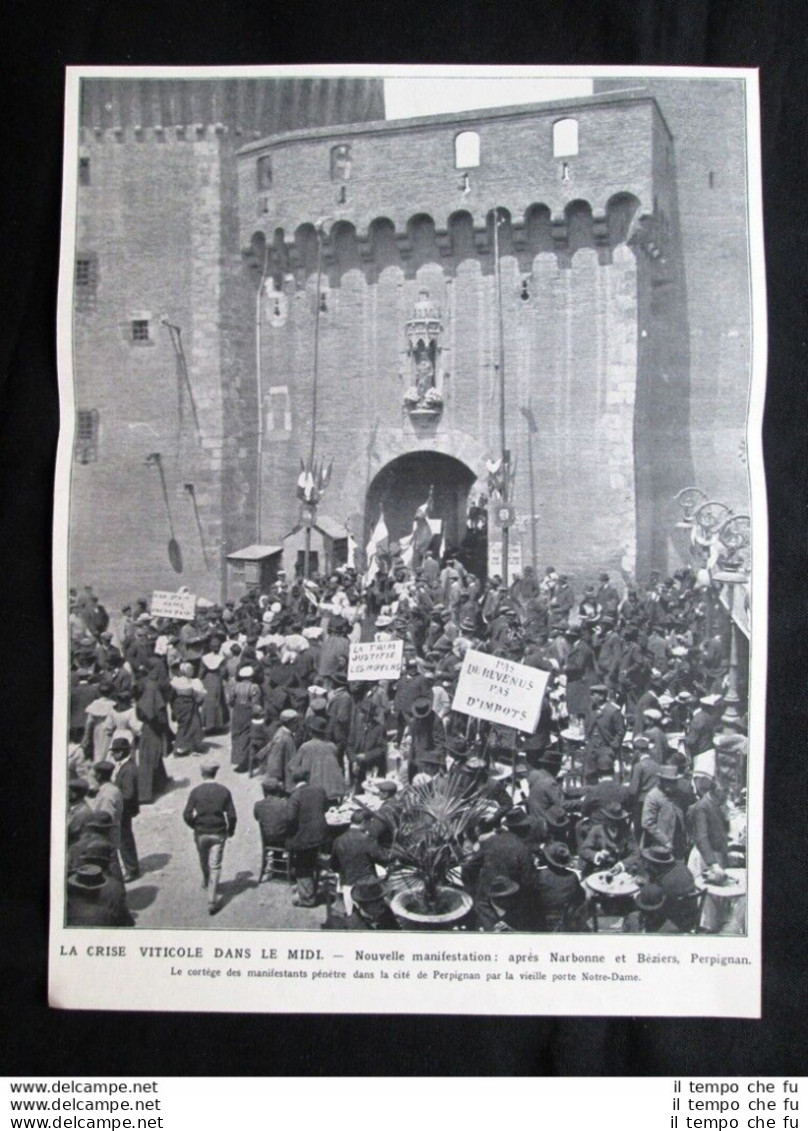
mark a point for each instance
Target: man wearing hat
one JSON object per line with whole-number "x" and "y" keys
{"x": 505, "y": 854}
{"x": 503, "y": 897}
{"x": 644, "y": 776}
{"x": 607, "y": 596}
{"x": 676, "y": 882}
{"x": 652, "y": 730}
{"x": 79, "y": 810}
{"x": 126, "y": 779}
{"x": 308, "y": 831}
{"x": 662, "y": 821}
{"x": 370, "y": 911}
{"x": 608, "y": 840}
{"x": 545, "y": 792}
{"x": 650, "y": 916}
{"x": 278, "y": 753}
{"x": 272, "y": 815}
{"x": 700, "y": 735}
{"x": 318, "y": 758}
{"x": 604, "y": 734}
{"x": 355, "y": 855}
{"x": 109, "y": 799}
{"x": 580, "y": 672}
{"x": 560, "y": 898}
{"x": 95, "y": 900}
{"x": 95, "y": 846}
{"x": 562, "y": 601}
{"x": 427, "y": 734}
{"x": 210, "y": 812}
{"x": 367, "y": 737}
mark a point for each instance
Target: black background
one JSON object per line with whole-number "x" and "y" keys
{"x": 37, "y": 43}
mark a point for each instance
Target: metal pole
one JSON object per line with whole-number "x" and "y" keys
{"x": 506, "y": 471}
{"x": 533, "y": 551}
{"x": 314, "y": 380}
{"x": 260, "y": 396}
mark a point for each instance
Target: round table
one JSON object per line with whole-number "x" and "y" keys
{"x": 605, "y": 884}
{"x": 605, "y": 887}
{"x": 736, "y": 887}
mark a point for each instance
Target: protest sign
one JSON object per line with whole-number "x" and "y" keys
{"x": 500, "y": 691}
{"x": 173, "y": 606}
{"x": 381, "y": 659}
{"x": 495, "y": 558}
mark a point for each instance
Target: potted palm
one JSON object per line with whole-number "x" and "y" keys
{"x": 434, "y": 824}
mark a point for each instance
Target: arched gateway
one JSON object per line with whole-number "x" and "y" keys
{"x": 404, "y": 484}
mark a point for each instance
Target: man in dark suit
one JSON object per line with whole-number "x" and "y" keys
{"x": 95, "y": 899}
{"x": 355, "y": 855}
{"x": 644, "y": 776}
{"x": 506, "y": 853}
{"x": 272, "y": 815}
{"x": 559, "y": 895}
{"x": 126, "y": 779}
{"x": 307, "y": 832}
{"x": 604, "y": 734}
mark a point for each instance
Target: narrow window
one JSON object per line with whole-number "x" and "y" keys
{"x": 87, "y": 435}
{"x": 264, "y": 173}
{"x": 140, "y": 330}
{"x": 86, "y": 280}
{"x": 467, "y": 150}
{"x": 565, "y": 138}
{"x": 341, "y": 163}
{"x": 84, "y": 170}
{"x": 711, "y": 179}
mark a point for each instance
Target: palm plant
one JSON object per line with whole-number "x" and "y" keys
{"x": 432, "y": 831}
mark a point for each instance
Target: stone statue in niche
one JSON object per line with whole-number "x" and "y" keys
{"x": 423, "y": 332}
{"x": 424, "y": 374}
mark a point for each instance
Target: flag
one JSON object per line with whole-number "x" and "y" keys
{"x": 305, "y": 483}
{"x": 421, "y": 530}
{"x": 378, "y": 543}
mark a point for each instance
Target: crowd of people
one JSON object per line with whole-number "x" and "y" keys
{"x": 626, "y": 805}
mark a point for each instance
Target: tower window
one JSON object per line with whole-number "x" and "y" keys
{"x": 86, "y": 445}
{"x": 341, "y": 163}
{"x": 467, "y": 150}
{"x": 84, "y": 170}
{"x": 264, "y": 173}
{"x": 711, "y": 179}
{"x": 86, "y": 280}
{"x": 565, "y": 138}
{"x": 140, "y": 330}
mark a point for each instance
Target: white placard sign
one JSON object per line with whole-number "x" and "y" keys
{"x": 495, "y": 558}
{"x": 500, "y": 691}
{"x": 381, "y": 659}
{"x": 174, "y": 606}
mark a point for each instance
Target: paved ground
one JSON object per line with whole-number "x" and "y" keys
{"x": 169, "y": 893}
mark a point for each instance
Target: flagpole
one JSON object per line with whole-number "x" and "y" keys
{"x": 315, "y": 374}
{"x": 505, "y": 454}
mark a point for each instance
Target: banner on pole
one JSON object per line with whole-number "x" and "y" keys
{"x": 380, "y": 659}
{"x": 173, "y": 606}
{"x": 500, "y": 691}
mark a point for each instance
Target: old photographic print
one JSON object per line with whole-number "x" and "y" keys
{"x": 409, "y": 484}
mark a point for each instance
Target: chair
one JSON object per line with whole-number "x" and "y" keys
{"x": 275, "y": 863}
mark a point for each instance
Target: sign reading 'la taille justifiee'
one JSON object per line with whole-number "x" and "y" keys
{"x": 500, "y": 691}
{"x": 381, "y": 659}
{"x": 173, "y": 606}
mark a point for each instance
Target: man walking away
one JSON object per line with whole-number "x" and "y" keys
{"x": 210, "y": 812}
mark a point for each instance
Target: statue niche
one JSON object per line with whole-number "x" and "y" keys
{"x": 423, "y": 330}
